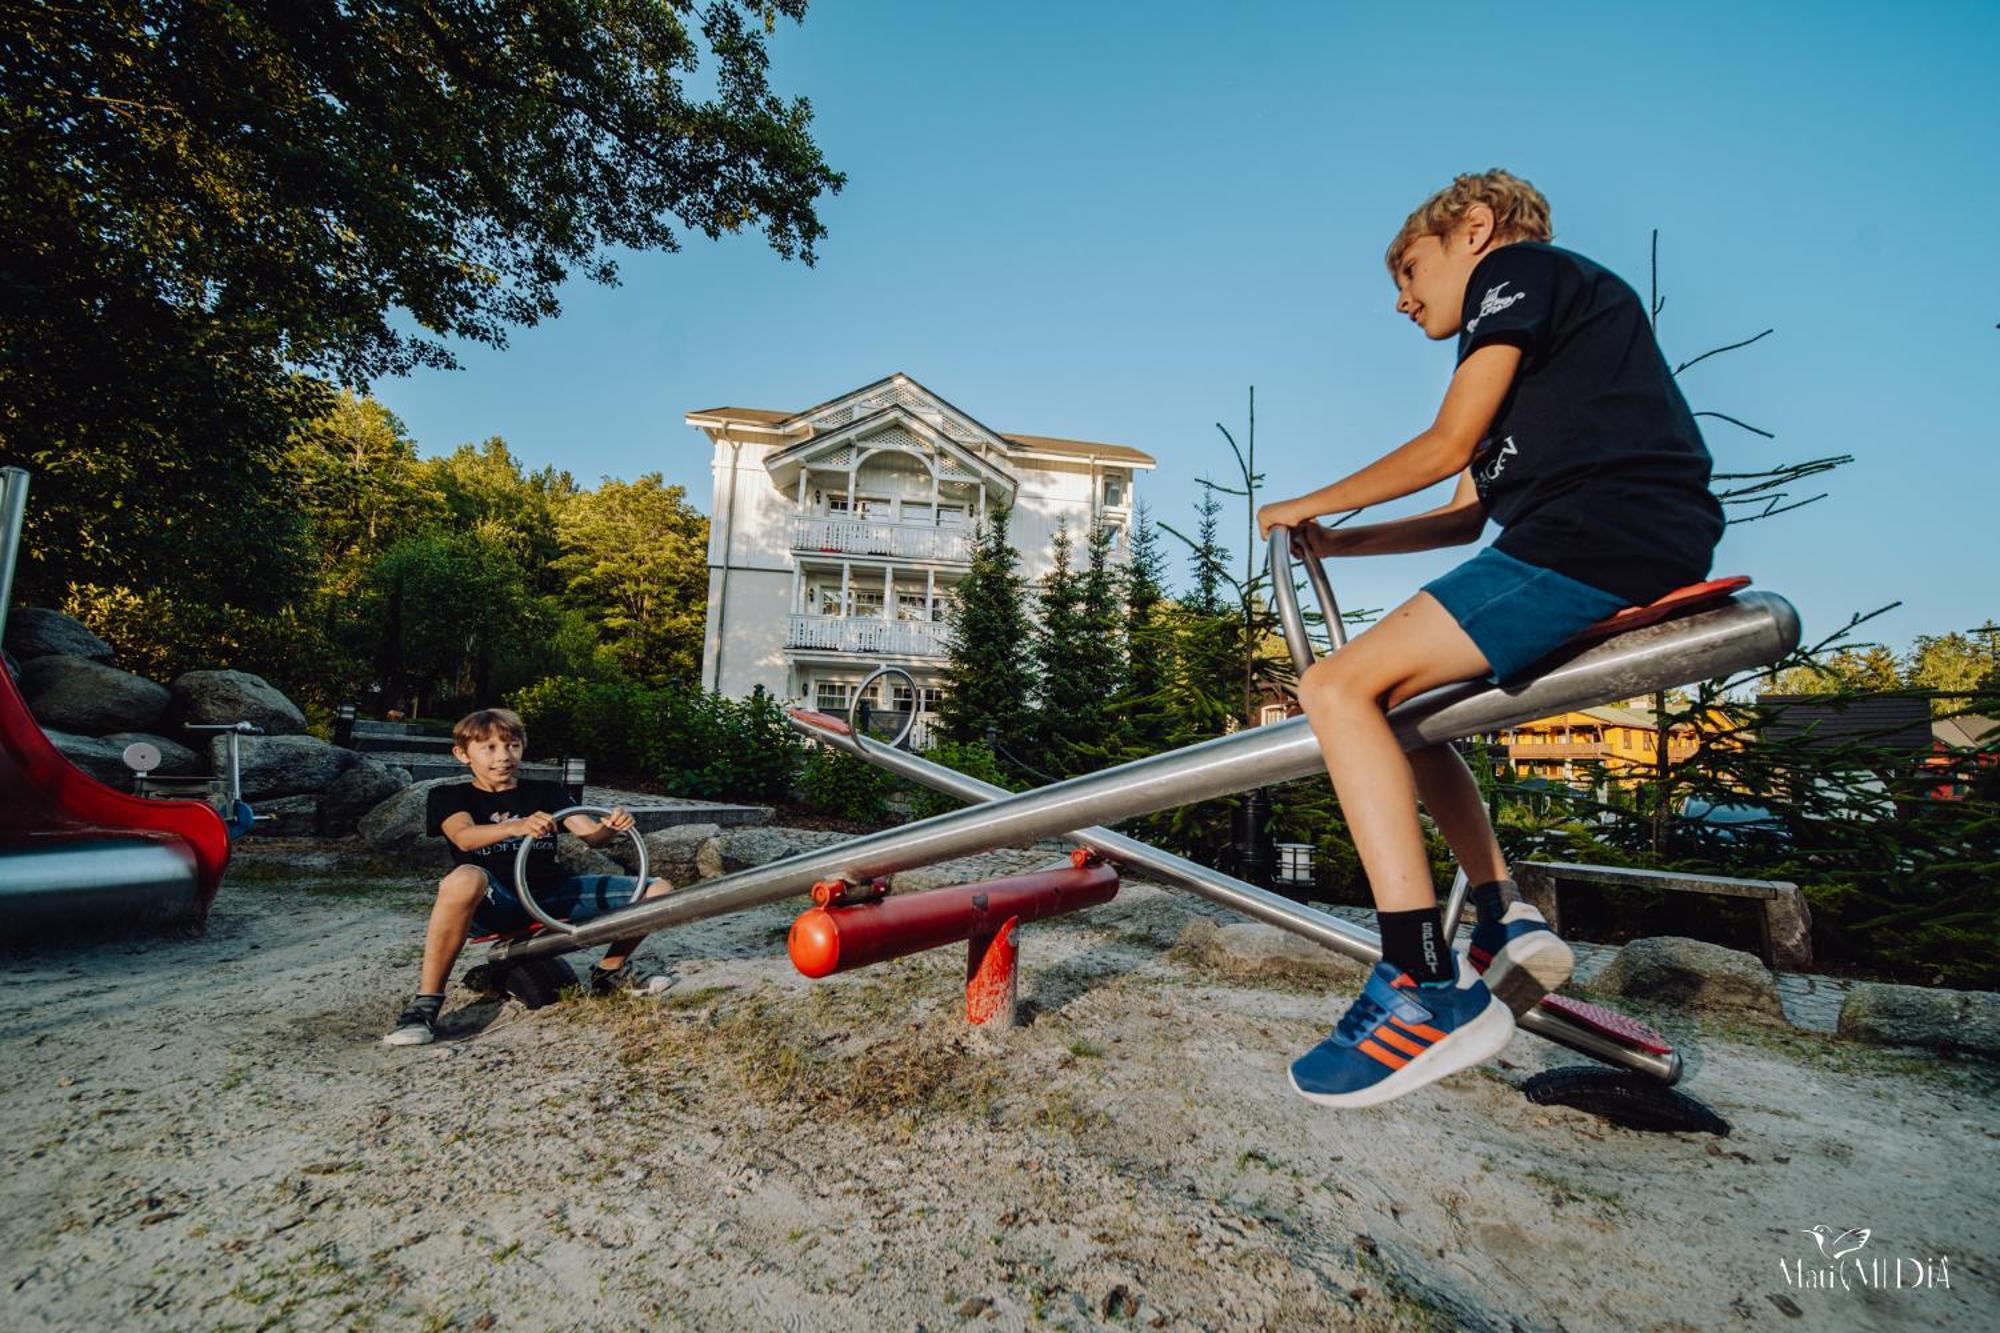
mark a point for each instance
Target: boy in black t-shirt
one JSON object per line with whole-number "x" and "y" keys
{"x": 1563, "y": 425}
{"x": 484, "y": 821}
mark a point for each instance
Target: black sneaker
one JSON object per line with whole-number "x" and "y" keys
{"x": 639, "y": 976}
{"x": 416, "y": 1027}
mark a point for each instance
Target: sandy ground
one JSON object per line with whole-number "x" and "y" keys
{"x": 205, "y": 1133}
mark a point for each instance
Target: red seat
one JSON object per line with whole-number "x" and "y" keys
{"x": 1691, "y": 598}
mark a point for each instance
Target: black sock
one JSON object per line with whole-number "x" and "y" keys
{"x": 431, "y": 1005}
{"x": 1414, "y": 942}
{"x": 1491, "y": 901}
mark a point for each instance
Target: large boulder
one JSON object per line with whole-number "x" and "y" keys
{"x": 288, "y": 817}
{"x": 1693, "y": 975}
{"x": 1253, "y": 952}
{"x": 366, "y": 784}
{"x": 80, "y": 695}
{"x": 176, "y": 760}
{"x": 394, "y": 829}
{"x": 1950, "y": 1020}
{"x": 674, "y": 853}
{"x": 742, "y": 848}
{"x": 212, "y": 697}
{"x": 99, "y": 758}
{"x": 33, "y": 632}
{"x": 283, "y": 765}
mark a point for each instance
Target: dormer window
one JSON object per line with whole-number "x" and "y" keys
{"x": 1114, "y": 492}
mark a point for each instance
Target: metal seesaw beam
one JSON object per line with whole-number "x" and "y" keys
{"x": 1751, "y": 630}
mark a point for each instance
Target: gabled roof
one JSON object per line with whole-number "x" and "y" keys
{"x": 1963, "y": 733}
{"x": 792, "y": 422}
{"x": 780, "y": 464}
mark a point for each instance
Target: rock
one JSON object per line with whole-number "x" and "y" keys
{"x": 366, "y": 784}
{"x": 99, "y": 758}
{"x": 578, "y": 858}
{"x": 283, "y": 765}
{"x": 742, "y": 848}
{"x": 289, "y": 817}
{"x": 1253, "y": 951}
{"x": 176, "y": 760}
{"x": 33, "y": 632}
{"x": 1693, "y": 975}
{"x": 674, "y": 853}
{"x": 1950, "y": 1020}
{"x": 708, "y": 859}
{"x": 395, "y": 828}
{"x": 77, "y": 694}
{"x": 211, "y": 697}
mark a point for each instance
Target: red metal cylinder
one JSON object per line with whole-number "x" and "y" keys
{"x": 838, "y": 939}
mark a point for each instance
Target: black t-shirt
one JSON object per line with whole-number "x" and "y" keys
{"x": 1593, "y": 466}
{"x": 497, "y": 807}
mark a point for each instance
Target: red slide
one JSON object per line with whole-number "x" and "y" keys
{"x": 77, "y": 856}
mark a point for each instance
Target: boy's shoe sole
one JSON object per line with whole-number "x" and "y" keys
{"x": 414, "y": 1035}
{"x": 1528, "y": 967}
{"x": 1481, "y": 1039}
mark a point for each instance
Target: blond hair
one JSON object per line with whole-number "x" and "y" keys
{"x": 477, "y": 726}
{"x": 1520, "y": 212}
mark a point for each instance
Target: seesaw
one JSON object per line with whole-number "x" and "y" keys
{"x": 1692, "y": 634}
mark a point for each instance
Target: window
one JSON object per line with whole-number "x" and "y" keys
{"x": 833, "y": 696}
{"x": 951, "y": 516}
{"x": 1271, "y": 713}
{"x": 863, "y": 506}
{"x": 865, "y": 602}
{"x": 920, "y": 514}
{"x": 1114, "y": 492}
{"x": 910, "y": 606}
{"x": 928, "y": 697}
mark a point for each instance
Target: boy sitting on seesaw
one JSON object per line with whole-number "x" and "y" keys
{"x": 485, "y": 820}
{"x": 1564, "y": 425}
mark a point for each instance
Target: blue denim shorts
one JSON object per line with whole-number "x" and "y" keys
{"x": 577, "y": 898}
{"x": 1518, "y": 613}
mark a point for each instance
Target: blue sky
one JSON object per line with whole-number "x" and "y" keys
{"x": 1107, "y": 221}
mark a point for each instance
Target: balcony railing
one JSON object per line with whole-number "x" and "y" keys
{"x": 906, "y": 541}
{"x": 866, "y": 634}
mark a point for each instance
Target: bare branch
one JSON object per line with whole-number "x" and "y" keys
{"x": 1717, "y": 351}
{"x": 1724, "y": 416}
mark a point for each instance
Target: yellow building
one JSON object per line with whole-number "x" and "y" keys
{"x": 1614, "y": 736}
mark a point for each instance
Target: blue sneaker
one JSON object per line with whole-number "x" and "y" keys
{"x": 1398, "y": 1036}
{"x": 1519, "y": 957}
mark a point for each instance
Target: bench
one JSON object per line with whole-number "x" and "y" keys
{"x": 1786, "y": 921}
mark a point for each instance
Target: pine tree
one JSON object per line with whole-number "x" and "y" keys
{"x": 989, "y": 680}
{"x": 1083, "y": 657}
{"x": 1066, "y": 687}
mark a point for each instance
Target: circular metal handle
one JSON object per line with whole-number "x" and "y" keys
{"x": 527, "y": 896}
{"x": 1290, "y": 619}
{"x": 861, "y": 693}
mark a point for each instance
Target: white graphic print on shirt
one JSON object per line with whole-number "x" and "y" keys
{"x": 1493, "y": 461}
{"x": 1492, "y": 304}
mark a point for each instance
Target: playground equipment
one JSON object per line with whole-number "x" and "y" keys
{"x": 853, "y": 926}
{"x": 1691, "y": 635}
{"x": 75, "y": 854}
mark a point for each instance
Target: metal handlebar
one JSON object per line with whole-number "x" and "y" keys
{"x": 1290, "y": 619}
{"x": 527, "y": 896}
{"x": 235, "y": 731}
{"x": 854, "y": 726}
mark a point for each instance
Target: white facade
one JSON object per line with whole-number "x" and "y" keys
{"x": 838, "y": 534}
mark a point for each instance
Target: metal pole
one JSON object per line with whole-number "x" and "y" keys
{"x": 1748, "y": 631}
{"x": 13, "y": 516}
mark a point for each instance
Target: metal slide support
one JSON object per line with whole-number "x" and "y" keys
{"x": 1322, "y": 928}
{"x": 13, "y": 517}
{"x": 1749, "y": 631}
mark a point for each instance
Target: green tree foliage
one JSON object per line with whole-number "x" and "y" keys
{"x": 360, "y": 488}
{"x": 989, "y": 678}
{"x": 636, "y": 561}
{"x": 206, "y": 204}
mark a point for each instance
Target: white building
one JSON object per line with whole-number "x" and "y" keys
{"x": 840, "y": 532}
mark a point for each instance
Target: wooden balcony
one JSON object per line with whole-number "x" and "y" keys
{"x": 901, "y": 541}
{"x": 867, "y": 634}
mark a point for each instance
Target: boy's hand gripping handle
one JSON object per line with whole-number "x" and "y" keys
{"x": 1290, "y": 619}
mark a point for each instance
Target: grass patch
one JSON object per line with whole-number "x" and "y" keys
{"x": 1564, "y": 1190}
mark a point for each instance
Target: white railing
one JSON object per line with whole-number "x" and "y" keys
{"x": 866, "y": 634}
{"x": 908, "y": 541}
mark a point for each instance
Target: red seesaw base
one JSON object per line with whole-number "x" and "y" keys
{"x": 852, "y": 927}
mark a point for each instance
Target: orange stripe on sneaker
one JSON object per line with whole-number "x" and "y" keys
{"x": 1390, "y": 1036}
{"x": 1389, "y": 1058}
{"x": 1424, "y": 1030}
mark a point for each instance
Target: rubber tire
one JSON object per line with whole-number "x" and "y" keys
{"x": 537, "y": 982}
{"x": 1624, "y": 1098}
{"x": 485, "y": 979}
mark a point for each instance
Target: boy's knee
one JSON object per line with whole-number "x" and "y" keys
{"x": 463, "y": 884}
{"x": 658, "y": 887}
